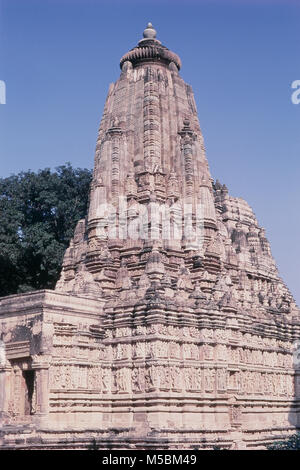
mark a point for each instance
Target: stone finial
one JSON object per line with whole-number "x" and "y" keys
{"x": 150, "y": 49}
{"x": 224, "y": 189}
{"x": 218, "y": 185}
{"x": 149, "y": 32}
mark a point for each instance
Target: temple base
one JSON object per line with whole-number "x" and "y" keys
{"x": 74, "y": 375}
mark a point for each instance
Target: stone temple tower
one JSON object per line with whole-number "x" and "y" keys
{"x": 169, "y": 326}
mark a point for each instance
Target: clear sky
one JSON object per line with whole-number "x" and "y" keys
{"x": 58, "y": 57}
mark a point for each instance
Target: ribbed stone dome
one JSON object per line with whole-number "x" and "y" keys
{"x": 150, "y": 49}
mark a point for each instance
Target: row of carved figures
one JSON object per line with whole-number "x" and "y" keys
{"x": 141, "y": 379}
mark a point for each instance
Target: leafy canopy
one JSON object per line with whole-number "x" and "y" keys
{"x": 291, "y": 443}
{"x": 38, "y": 214}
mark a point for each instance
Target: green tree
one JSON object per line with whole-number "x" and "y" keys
{"x": 38, "y": 214}
{"x": 292, "y": 443}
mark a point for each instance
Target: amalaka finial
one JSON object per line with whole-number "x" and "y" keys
{"x": 150, "y": 49}
{"x": 149, "y": 32}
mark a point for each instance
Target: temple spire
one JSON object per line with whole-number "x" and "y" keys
{"x": 170, "y": 324}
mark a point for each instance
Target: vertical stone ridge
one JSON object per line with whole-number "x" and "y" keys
{"x": 115, "y": 134}
{"x": 152, "y": 131}
{"x": 187, "y": 137}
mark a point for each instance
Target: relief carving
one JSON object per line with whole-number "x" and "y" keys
{"x": 209, "y": 380}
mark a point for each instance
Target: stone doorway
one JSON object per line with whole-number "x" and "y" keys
{"x": 22, "y": 390}
{"x": 28, "y": 376}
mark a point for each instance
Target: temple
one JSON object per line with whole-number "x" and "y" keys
{"x": 170, "y": 327}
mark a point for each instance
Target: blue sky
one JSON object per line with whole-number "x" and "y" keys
{"x": 58, "y": 57}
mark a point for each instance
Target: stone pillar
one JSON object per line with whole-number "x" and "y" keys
{"x": 297, "y": 395}
{"x": 41, "y": 394}
{"x": 4, "y": 373}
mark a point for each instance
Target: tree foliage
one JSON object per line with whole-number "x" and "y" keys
{"x": 38, "y": 214}
{"x": 292, "y": 443}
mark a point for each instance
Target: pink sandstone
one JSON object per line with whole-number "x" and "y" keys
{"x": 170, "y": 326}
